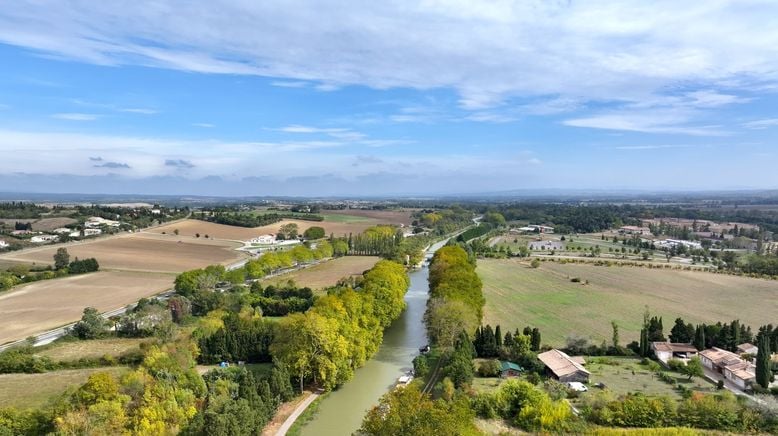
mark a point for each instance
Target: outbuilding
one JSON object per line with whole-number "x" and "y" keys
{"x": 510, "y": 369}
{"x": 563, "y": 367}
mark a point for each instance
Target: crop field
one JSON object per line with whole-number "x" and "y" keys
{"x": 41, "y": 224}
{"x": 44, "y": 305}
{"x": 189, "y": 228}
{"x": 517, "y": 295}
{"x": 65, "y": 351}
{"x": 328, "y": 273}
{"x": 25, "y": 391}
{"x": 377, "y": 216}
{"x": 139, "y": 252}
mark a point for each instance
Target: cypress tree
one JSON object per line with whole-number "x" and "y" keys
{"x": 508, "y": 341}
{"x": 535, "y": 339}
{"x": 644, "y": 343}
{"x": 763, "y": 372}
{"x": 699, "y": 337}
{"x": 498, "y": 337}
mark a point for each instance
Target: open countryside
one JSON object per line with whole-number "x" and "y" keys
{"x": 26, "y": 391}
{"x": 517, "y": 294}
{"x": 327, "y": 273}
{"x": 389, "y": 218}
{"x": 141, "y": 252}
{"x": 191, "y": 228}
{"x": 44, "y": 305}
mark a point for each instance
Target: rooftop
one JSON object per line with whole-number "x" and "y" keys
{"x": 560, "y": 363}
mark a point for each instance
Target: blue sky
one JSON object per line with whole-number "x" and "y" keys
{"x": 431, "y": 97}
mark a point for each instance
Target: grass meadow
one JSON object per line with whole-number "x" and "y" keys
{"x": 517, "y": 295}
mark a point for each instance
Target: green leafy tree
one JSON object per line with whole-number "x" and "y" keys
{"x": 693, "y": 368}
{"x": 408, "y": 411}
{"x": 314, "y": 232}
{"x": 91, "y": 326}
{"x": 61, "y": 258}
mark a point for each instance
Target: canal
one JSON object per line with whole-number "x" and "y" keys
{"x": 342, "y": 411}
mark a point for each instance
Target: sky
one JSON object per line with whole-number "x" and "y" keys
{"x": 343, "y": 98}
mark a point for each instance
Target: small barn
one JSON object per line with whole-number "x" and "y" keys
{"x": 563, "y": 367}
{"x": 510, "y": 369}
{"x": 665, "y": 351}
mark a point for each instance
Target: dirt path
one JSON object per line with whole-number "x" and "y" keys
{"x": 288, "y": 413}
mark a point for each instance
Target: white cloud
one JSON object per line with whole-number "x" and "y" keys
{"x": 627, "y": 51}
{"x": 204, "y": 125}
{"x": 761, "y": 124}
{"x": 647, "y": 121}
{"x": 652, "y": 147}
{"x": 296, "y": 128}
{"x": 289, "y": 83}
{"x": 142, "y": 111}
{"x": 74, "y": 116}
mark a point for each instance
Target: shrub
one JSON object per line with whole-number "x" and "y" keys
{"x": 675, "y": 364}
{"x": 489, "y": 368}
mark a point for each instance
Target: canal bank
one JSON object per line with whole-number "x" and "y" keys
{"x": 342, "y": 411}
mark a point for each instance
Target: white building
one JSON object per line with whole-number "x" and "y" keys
{"x": 62, "y": 230}
{"x": 730, "y": 365}
{"x": 156, "y": 212}
{"x": 670, "y": 243}
{"x": 665, "y": 351}
{"x": 263, "y": 240}
{"x": 92, "y": 232}
{"x": 534, "y": 228}
{"x": 3, "y": 244}
{"x": 40, "y": 239}
{"x": 97, "y": 221}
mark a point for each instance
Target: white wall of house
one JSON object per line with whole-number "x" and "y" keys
{"x": 664, "y": 356}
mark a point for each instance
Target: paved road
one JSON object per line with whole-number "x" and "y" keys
{"x": 296, "y": 414}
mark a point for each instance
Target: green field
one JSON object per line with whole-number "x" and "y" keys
{"x": 517, "y": 295}
{"x": 622, "y": 375}
{"x": 346, "y": 219}
{"x": 33, "y": 390}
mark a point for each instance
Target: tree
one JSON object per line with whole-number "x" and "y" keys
{"x": 314, "y": 233}
{"x": 408, "y": 411}
{"x": 445, "y": 319}
{"x": 535, "y": 339}
{"x": 535, "y": 263}
{"x": 693, "y": 368}
{"x": 310, "y": 345}
{"x": 288, "y": 231}
{"x": 91, "y": 326}
{"x": 699, "y": 337}
{"x": 764, "y": 373}
{"x": 681, "y": 332}
{"x": 615, "y": 338}
{"x": 176, "y": 232}
{"x": 61, "y": 258}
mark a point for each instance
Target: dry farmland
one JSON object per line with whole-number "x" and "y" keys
{"x": 73, "y": 350}
{"x": 44, "y": 305}
{"x": 139, "y": 252}
{"x": 517, "y": 295}
{"x": 328, "y": 273}
{"x": 189, "y": 228}
{"x": 378, "y": 216}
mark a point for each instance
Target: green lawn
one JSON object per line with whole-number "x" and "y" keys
{"x": 517, "y": 295}
{"x": 623, "y": 375}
